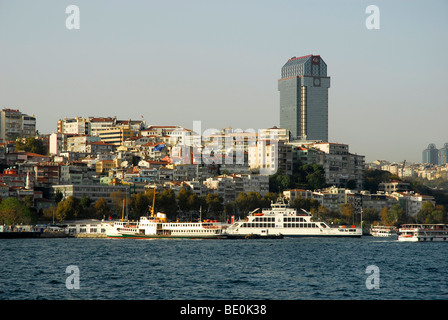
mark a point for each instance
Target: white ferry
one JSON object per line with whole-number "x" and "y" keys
{"x": 154, "y": 227}
{"x": 383, "y": 231}
{"x": 423, "y": 232}
{"x": 281, "y": 220}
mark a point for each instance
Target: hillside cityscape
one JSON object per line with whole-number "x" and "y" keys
{"x": 100, "y": 167}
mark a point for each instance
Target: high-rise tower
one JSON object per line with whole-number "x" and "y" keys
{"x": 304, "y": 98}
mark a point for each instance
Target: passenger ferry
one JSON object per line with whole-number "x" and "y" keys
{"x": 282, "y": 220}
{"x": 383, "y": 231}
{"x": 423, "y": 232}
{"x": 157, "y": 227}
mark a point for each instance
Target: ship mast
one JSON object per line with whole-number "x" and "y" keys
{"x": 153, "y": 202}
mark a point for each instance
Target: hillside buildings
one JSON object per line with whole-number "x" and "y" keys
{"x": 15, "y": 124}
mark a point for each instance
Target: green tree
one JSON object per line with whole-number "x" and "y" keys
{"x": 102, "y": 209}
{"x": 118, "y": 202}
{"x": 140, "y": 203}
{"x": 307, "y": 204}
{"x": 85, "y": 202}
{"x": 370, "y": 215}
{"x": 214, "y": 202}
{"x": 431, "y": 214}
{"x": 194, "y": 202}
{"x": 255, "y": 200}
{"x": 31, "y": 144}
{"x": 230, "y": 208}
{"x": 14, "y": 211}
{"x": 347, "y": 211}
{"x": 69, "y": 208}
{"x": 315, "y": 176}
{"x": 58, "y": 196}
{"x": 183, "y": 199}
{"x": 279, "y": 181}
{"x": 374, "y": 177}
{"x": 166, "y": 203}
{"x": 242, "y": 203}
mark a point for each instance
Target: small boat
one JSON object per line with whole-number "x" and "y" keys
{"x": 383, "y": 231}
{"x": 423, "y": 232}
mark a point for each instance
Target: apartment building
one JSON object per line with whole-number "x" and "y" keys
{"x": 14, "y": 124}
{"x": 341, "y": 167}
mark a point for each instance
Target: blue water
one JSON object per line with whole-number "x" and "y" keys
{"x": 279, "y": 269}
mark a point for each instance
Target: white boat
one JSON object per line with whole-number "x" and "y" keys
{"x": 157, "y": 227}
{"x": 383, "y": 231}
{"x": 423, "y": 232}
{"x": 281, "y": 220}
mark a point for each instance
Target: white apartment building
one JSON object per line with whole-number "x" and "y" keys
{"x": 15, "y": 124}
{"x": 340, "y": 166}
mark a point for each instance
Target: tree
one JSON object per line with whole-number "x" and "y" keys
{"x": 394, "y": 216}
{"x": 279, "y": 181}
{"x": 431, "y": 214}
{"x": 183, "y": 199}
{"x": 85, "y": 202}
{"x": 230, "y": 207}
{"x": 166, "y": 203}
{"x": 70, "y": 208}
{"x": 347, "y": 210}
{"x": 101, "y": 208}
{"x": 315, "y": 176}
{"x": 117, "y": 198}
{"x": 140, "y": 203}
{"x": 370, "y": 215}
{"x": 307, "y": 204}
{"x": 31, "y": 144}
{"x": 58, "y": 196}
{"x": 14, "y": 211}
{"x": 214, "y": 202}
{"x": 242, "y": 202}
{"x": 374, "y": 177}
{"x": 194, "y": 202}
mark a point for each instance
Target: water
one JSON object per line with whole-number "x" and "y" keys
{"x": 280, "y": 269}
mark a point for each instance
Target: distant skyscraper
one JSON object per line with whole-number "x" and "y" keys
{"x": 443, "y": 154}
{"x": 304, "y": 98}
{"x": 430, "y": 154}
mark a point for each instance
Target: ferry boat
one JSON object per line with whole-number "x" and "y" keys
{"x": 282, "y": 220}
{"x": 423, "y": 232}
{"x": 157, "y": 227}
{"x": 383, "y": 231}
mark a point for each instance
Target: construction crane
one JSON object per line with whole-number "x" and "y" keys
{"x": 402, "y": 168}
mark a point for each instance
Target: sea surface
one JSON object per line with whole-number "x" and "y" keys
{"x": 272, "y": 269}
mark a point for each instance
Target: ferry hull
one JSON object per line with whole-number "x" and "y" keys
{"x": 16, "y": 235}
{"x": 131, "y": 236}
{"x": 423, "y": 239}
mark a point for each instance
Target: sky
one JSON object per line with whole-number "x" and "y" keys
{"x": 219, "y": 62}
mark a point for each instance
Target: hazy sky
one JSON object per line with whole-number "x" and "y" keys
{"x": 174, "y": 62}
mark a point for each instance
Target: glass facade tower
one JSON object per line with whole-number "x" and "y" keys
{"x": 430, "y": 154}
{"x": 304, "y": 98}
